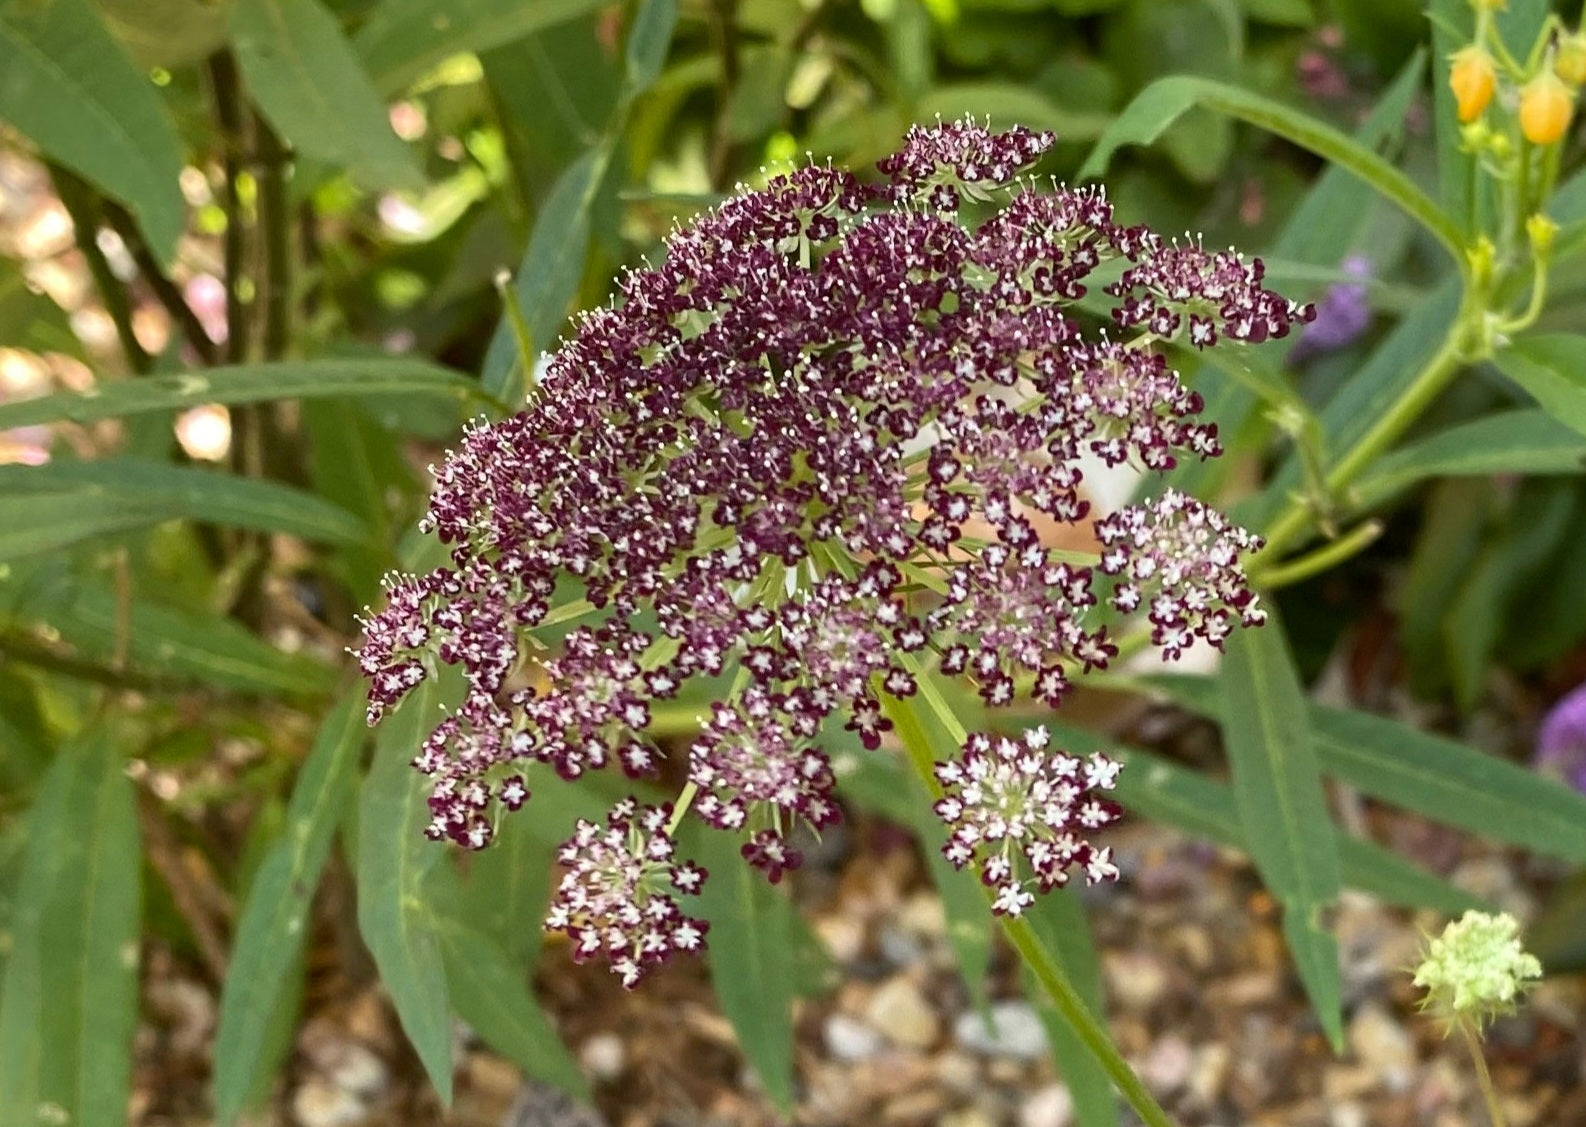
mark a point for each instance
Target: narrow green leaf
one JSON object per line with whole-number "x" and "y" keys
{"x": 402, "y": 40}
{"x": 752, "y": 960}
{"x": 393, "y": 913}
{"x": 1163, "y": 791}
{"x": 70, "y": 995}
{"x": 1373, "y": 388}
{"x": 548, "y": 277}
{"x": 24, "y": 734}
{"x": 1165, "y": 101}
{"x": 244, "y": 383}
{"x": 1282, "y": 807}
{"x": 969, "y": 923}
{"x": 29, "y": 319}
{"x": 1008, "y": 104}
{"x": 490, "y": 994}
{"x": 308, "y": 81}
{"x": 187, "y": 645}
{"x": 1510, "y": 442}
{"x": 649, "y": 39}
{"x": 189, "y": 492}
{"x": 1331, "y": 217}
{"x": 1552, "y": 368}
{"x": 69, "y": 89}
{"x": 1059, "y": 921}
{"x": 1447, "y": 781}
{"x": 35, "y": 522}
{"x": 1452, "y": 783}
{"x": 272, "y": 931}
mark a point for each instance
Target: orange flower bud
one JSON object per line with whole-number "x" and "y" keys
{"x": 1546, "y": 106}
{"x": 1570, "y": 62}
{"x": 1473, "y": 78}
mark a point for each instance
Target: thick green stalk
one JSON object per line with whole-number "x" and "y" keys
{"x": 1390, "y": 425}
{"x": 1048, "y": 972}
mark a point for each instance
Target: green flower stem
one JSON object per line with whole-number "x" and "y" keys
{"x": 1312, "y": 563}
{"x": 1390, "y": 425}
{"x": 1048, "y": 972}
{"x": 1489, "y": 1093}
{"x": 1074, "y": 1011}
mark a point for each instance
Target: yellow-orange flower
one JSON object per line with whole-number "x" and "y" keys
{"x": 1473, "y": 78}
{"x": 1546, "y": 106}
{"x": 1570, "y": 62}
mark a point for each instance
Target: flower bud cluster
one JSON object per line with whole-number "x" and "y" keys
{"x": 804, "y": 453}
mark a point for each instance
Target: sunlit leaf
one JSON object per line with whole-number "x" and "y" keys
{"x": 68, "y": 1004}
{"x": 273, "y": 928}
{"x": 394, "y": 916}
{"x": 68, "y": 88}
{"x": 244, "y": 383}
{"x": 310, "y": 84}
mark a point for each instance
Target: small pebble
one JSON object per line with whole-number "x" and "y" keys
{"x": 1015, "y": 1031}
{"x": 842, "y": 936}
{"x": 1052, "y": 1106}
{"x": 1167, "y": 1067}
{"x": 1378, "y": 1038}
{"x": 900, "y": 1013}
{"x": 1138, "y": 981}
{"x": 1210, "y": 1075}
{"x": 849, "y": 1039}
{"x": 319, "y": 1103}
{"x": 603, "y": 1057}
{"x": 1346, "y": 1115}
{"x": 967, "y": 1117}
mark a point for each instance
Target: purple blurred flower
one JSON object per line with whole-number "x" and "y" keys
{"x": 1561, "y": 740}
{"x": 1341, "y": 316}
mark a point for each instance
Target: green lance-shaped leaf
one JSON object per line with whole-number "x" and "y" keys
{"x": 166, "y": 491}
{"x": 1282, "y": 807}
{"x": 402, "y": 40}
{"x": 751, "y": 953}
{"x": 68, "y": 1004}
{"x": 67, "y": 87}
{"x": 169, "y": 643}
{"x": 547, "y": 279}
{"x": 491, "y": 995}
{"x": 36, "y": 522}
{"x": 394, "y": 914}
{"x": 1165, "y": 101}
{"x": 1058, "y": 918}
{"x": 882, "y": 784}
{"x": 553, "y": 264}
{"x": 1511, "y": 442}
{"x": 273, "y": 928}
{"x": 1552, "y": 368}
{"x": 310, "y": 84}
{"x": 243, "y": 383}
{"x": 1447, "y": 781}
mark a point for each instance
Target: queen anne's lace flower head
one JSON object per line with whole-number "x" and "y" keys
{"x": 808, "y": 452}
{"x": 1016, "y": 808}
{"x": 616, "y": 897}
{"x": 1476, "y": 969}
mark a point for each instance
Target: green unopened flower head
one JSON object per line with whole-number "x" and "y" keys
{"x": 1476, "y": 969}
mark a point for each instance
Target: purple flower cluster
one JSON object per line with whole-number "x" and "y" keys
{"x": 616, "y": 896}
{"x": 1006, "y": 799}
{"x": 809, "y": 450}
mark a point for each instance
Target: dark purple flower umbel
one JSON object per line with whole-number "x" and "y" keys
{"x": 805, "y": 453}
